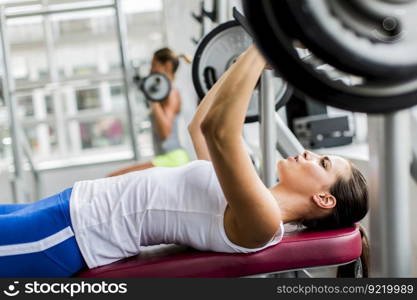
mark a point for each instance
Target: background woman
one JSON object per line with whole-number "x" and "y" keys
{"x": 164, "y": 118}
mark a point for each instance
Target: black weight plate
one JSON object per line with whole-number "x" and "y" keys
{"x": 273, "y": 26}
{"x": 351, "y": 59}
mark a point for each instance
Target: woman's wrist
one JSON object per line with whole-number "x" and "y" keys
{"x": 254, "y": 49}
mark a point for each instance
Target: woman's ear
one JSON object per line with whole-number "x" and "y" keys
{"x": 324, "y": 200}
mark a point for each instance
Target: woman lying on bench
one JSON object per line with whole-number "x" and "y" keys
{"x": 217, "y": 203}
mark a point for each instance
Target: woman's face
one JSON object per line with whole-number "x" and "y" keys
{"x": 159, "y": 67}
{"x": 310, "y": 173}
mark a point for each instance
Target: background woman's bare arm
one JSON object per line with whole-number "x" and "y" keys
{"x": 166, "y": 113}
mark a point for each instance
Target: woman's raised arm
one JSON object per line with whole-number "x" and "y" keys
{"x": 255, "y": 210}
{"x": 194, "y": 128}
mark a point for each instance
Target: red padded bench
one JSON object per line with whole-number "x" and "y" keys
{"x": 297, "y": 250}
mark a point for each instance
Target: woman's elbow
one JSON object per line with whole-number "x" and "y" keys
{"x": 192, "y": 128}
{"x": 208, "y": 127}
{"x": 212, "y": 130}
{"x": 165, "y": 133}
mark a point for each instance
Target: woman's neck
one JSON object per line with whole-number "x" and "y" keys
{"x": 293, "y": 206}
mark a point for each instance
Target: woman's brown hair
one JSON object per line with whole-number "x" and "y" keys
{"x": 165, "y": 55}
{"x": 352, "y": 206}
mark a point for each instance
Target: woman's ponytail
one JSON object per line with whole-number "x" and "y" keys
{"x": 365, "y": 256}
{"x": 350, "y": 270}
{"x": 186, "y": 58}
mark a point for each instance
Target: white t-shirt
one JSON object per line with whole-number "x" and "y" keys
{"x": 113, "y": 217}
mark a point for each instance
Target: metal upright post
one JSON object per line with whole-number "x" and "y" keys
{"x": 389, "y": 141}
{"x": 207, "y": 24}
{"x": 287, "y": 143}
{"x": 36, "y": 175}
{"x": 165, "y": 25}
{"x": 223, "y": 10}
{"x": 267, "y": 128}
{"x": 123, "y": 47}
{"x": 8, "y": 94}
{"x": 60, "y": 122}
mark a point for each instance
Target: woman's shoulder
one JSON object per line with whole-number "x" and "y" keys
{"x": 200, "y": 163}
{"x": 200, "y": 169}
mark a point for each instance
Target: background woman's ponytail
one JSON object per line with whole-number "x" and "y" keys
{"x": 350, "y": 270}
{"x": 186, "y": 58}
